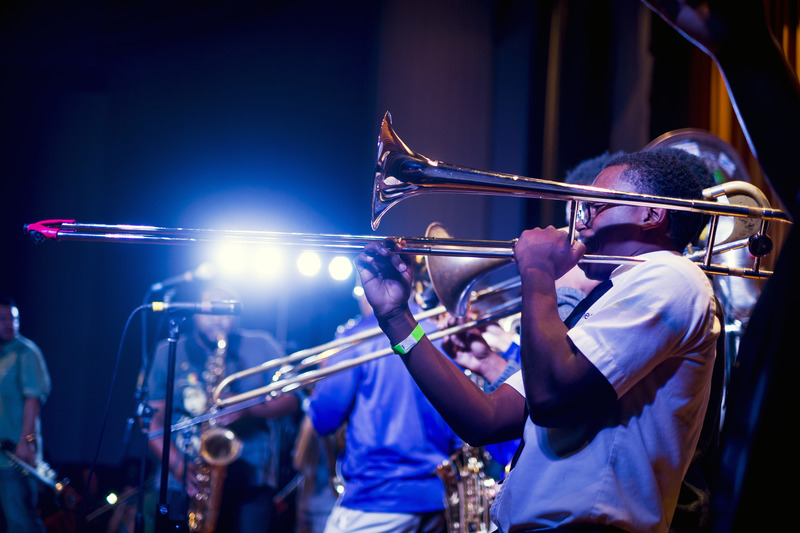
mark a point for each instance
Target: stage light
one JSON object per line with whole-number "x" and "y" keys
{"x": 205, "y": 271}
{"x": 308, "y": 263}
{"x": 340, "y": 268}
{"x": 269, "y": 262}
{"x": 232, "y": 259}
{"x": 111, "y": 498}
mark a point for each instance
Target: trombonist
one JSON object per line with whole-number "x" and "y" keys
{"x": 492, "y": 351}
{"x": 250, "y": 481}
{"x": 610, "y": 407}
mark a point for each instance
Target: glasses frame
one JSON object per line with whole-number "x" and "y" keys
{"x": 584, "y": 210}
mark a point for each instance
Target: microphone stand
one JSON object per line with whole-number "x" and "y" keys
{"x": 144, "y": 412}
{"x": 163, "y": 523}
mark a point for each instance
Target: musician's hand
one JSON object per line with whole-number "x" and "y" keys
{"x": 477, "y": 348}
{"x": 386, "y": 278}
{"x": 26, "y": 451}
{"x": 547, "y": 249}
{"x": 497, "y": 337}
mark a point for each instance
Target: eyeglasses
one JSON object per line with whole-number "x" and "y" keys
{"x": 588, "y": 210}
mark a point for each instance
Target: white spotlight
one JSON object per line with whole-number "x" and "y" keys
{"x": 205, "y": 271}
{"x": 232, "y": 258}
{"x": 308, "y": 263}
{"x": 340, "y": 268}
{"x": 269, "y": 262}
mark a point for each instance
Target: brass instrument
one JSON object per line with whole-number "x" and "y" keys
{"x": 307, "y": 357}
{"x": 401, "y": 174}
{"x": 219, "y": 447}
{"x": 738, "y": 295}
{"x": 291, "y": 383}
{"x": 469, "y": 492}
{"x": 453, "y": 280}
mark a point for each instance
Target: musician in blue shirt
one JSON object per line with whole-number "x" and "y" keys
{"x": 395, "y": 440}
{"x": 24, "y": 386}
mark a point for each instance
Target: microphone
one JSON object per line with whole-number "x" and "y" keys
{"x": 225, "y": 307}
{"x": 203, "y": 272}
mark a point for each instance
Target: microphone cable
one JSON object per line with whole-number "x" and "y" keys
{"x": 104, "y": 421}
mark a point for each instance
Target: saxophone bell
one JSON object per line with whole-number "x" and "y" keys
{"x": 219, "y": 446}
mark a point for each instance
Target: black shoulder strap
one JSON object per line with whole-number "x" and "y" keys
{"x": 587, "y": 302}
{"x": 570, "y": 321}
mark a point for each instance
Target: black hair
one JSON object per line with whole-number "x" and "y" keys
{"x": 669, "y": 172}
{"x": 5, "y": 299}
{"x": 587, "y": 170}
{"x": 698, "y": 165}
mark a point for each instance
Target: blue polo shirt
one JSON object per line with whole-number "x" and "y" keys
{"x": 395, "y": 439}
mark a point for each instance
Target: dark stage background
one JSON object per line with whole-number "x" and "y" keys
{"x": 264, "y": 115}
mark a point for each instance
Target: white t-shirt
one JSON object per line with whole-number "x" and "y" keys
{"x": 653, "y": 336}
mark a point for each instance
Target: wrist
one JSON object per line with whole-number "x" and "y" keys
{"x": 407, "y": 344}
{"x": 538, "y": 270}
{"x": 397, "y": 326}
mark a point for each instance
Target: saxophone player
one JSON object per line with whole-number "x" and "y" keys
{"x": 216, "y": 346}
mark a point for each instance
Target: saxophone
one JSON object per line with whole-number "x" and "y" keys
{"x": 219, "y": 447}
{"x": 469, "y": 492}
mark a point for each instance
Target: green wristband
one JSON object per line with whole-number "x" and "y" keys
{"x": 409, "y": 342}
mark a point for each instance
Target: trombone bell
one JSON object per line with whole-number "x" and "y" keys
{"x": 453, "y": 278}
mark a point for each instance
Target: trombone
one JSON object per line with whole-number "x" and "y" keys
{"x": 282, "y": 385}
{"x": 452, "y": 283}
{"x": 401, "y": 173}
{"x": 305, "y": 358}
